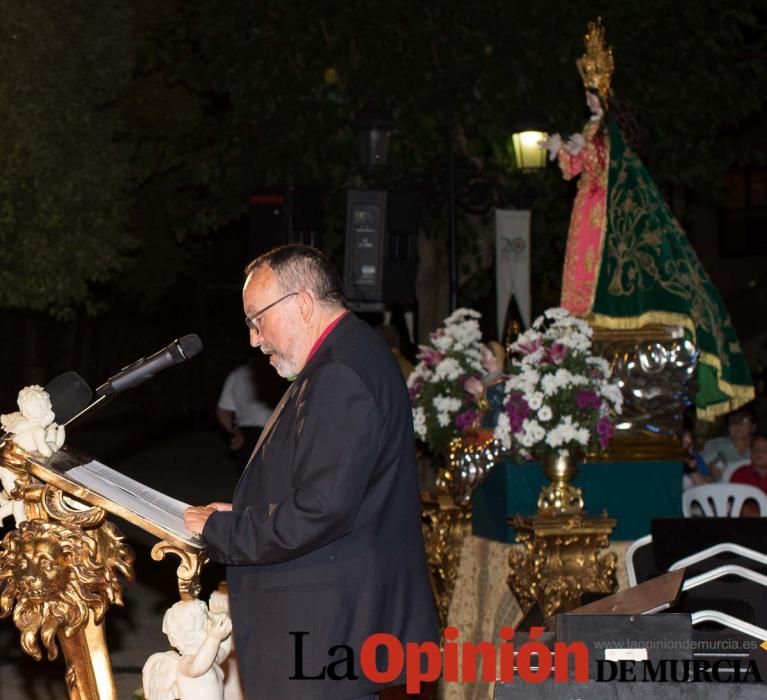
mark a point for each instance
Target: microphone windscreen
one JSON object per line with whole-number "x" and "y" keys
{"x": 70, "y": 394}
{"x": 190, "y": 345}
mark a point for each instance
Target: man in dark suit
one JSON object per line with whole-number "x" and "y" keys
{"x": 323, "y": 538}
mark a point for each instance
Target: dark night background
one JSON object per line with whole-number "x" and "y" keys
{"x": 134, "y": 132}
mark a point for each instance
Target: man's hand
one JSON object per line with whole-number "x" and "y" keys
{"x": 196, "y": 517}
{"x": 218, "y": 505}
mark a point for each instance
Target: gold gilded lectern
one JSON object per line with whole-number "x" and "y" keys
{"x": 60, "y": 569}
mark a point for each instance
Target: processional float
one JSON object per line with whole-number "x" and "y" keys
{"x": 657, "y": 319}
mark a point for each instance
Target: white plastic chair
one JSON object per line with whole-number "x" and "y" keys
{"x": 630, "y": 552}
{"x": 734, "y": 623}
{"x": 722, "y": 500}
{"x": 724, "y": 547}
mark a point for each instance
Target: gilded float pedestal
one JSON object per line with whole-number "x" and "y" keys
{"x": 561, "y": 560}
{"x": 445, "y": 525}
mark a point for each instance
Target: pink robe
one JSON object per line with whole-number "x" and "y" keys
{"x": 585, "y": 238}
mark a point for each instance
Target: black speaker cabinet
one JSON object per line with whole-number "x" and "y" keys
{"x": 277, "y": 216}
{"x": 380, "y": 261}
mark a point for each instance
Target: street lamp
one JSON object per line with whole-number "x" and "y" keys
{"x": 373, "y": 126}
{"x": 523, "y": 142}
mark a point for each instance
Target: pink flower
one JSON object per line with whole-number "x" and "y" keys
{"x": 429, "y": 356}
{"x": 556, "y": 353}
{"x": 528, "y": 348}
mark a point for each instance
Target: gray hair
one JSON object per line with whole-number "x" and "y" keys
{"x": 298, "y": 267}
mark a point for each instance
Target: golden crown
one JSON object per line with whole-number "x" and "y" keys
{"x": 596, "y": 65}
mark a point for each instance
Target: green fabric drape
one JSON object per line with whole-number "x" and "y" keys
{"x": 649, "y": 274}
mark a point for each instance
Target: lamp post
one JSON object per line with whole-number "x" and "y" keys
{"x": 512, "y": 230}
{"x": 373, "y": 126}
{"x": 522, "y": 145}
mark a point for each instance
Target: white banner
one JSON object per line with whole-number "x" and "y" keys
{"x": 512, "y": 263}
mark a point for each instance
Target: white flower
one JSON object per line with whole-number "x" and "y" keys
{"x": 448, "y": 369}
{"x": 534, "y": 400}
{"x": 419, "y": 422}
{"x": 502, "y": 431}
{"x": 532, "y": 433}
{"x": 613, "y": 394}
{"x": 545, "y": 413}
{"x": 442, "y": 342}
{"x": 462, "y": 314}
{"x": 602, "y": 364}
{"x": 556, "y": 313}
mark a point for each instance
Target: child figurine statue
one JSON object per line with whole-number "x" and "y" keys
{"x": 193, "y": 672}
{"x": 8, "y": 505}
{"x": 488, "y": 391}
{"x": 33, "y": 425}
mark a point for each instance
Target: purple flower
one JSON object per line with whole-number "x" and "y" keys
{"x": 414, "y": 391}
{"x": 465, "y": 420}
{"x": 586, "y": 398}
{"x": 605, "y": 431}
{"x": 429, "y": 356}
{"x": 556, "y": 353}
{"x": 518, "y": 410}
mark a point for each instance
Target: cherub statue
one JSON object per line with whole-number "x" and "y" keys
{"x": 193, "y": 672}
{"x": 219, "y": 603}
{"x": 33, "y": 426}
{"x": 488, "y": 391}
{"x": 8, "y": 505}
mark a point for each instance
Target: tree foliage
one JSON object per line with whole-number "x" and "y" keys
{"x": 132, "y": 130}
{"x": 62, "y": 178}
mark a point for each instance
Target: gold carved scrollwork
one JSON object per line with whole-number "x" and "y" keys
{"x": 188, "y": 571}
{"x": 561, "y": 560}
{"x": 52, "y": 581}
{"x": 59, "y": 508}
{"x": 445, "y": 525}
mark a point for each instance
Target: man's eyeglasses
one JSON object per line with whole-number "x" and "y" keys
{"x": 254, "y": 322}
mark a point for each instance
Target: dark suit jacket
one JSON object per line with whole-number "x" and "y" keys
{"x": 325, "y": 533}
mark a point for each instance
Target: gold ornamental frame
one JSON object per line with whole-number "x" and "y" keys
{"x": 61, "y": 569}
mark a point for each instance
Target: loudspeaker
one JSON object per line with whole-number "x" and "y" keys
{"x": 380, "y": 260}
{"x": 277, "y": 216}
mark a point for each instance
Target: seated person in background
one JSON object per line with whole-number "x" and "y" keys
{"x": 754, "y": 474}
{"x": 243, "y": 408}
{"x": 719, "y": 453}
{"x": 696, "y": 472}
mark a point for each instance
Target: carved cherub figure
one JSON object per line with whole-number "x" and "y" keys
{"x": 33, "y": 425}
{"x": 9, "y": 506}
{"x": 193, "y": 672}
{"x": 219, "y": 603}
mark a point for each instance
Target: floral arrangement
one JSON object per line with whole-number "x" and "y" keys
{"x": 559, "y": 396}
{"x": 442, "y": 408}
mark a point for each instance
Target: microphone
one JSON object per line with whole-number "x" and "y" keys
{"x": 178, "y": 351}
{"x": 69, "y": 394}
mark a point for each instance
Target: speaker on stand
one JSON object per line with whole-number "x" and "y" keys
{"x": 281, "y": 215}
